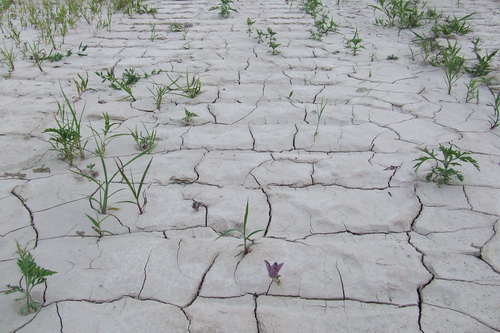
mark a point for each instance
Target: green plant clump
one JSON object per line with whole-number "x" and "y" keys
{"x": 354, "y": 44}
{"x": 33, "y": 275}
{"x": 247, "y": 242}
{"x": 224, "y": 8}
{"x": 451, "y": 62}
{"x": 443, "y": 171}
{"x": 403, "y": 14}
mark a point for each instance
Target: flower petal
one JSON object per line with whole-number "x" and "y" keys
{"x": 268, "y": 266}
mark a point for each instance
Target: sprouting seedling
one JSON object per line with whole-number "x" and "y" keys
{"x": 153, "y": 34}
{"x": 272, "y": 43}
{"x": 159, "y": 91}
{"x": 472, "y": 91}
{"x": 36, "y": 54}
{"x": 104, "y": 139}
{"x": 494, "y": 121}
{"x": 104, "y": 192}
{"x": 260, "y": 36}
{"x": 482, "y": 67}
{"x": 452, "y": 64}
{"x": 188, "y": 116}
{"x": 146, "y": 142}
{"x": 224, "y": 8}
{"x": 192, "y": 88}
{"x": 81, "y": 49}
{"x": 443, "y": 170}
{"x": 184, "y": 33}
{"x": 66, "y": 137}
{"x": 273, "y": 271}
{"x": 401, "y": 13}
{"x": 96, "y": 225}
{"x": 319, "y": 113}
{"x": 32, "y": 275}
{"x": 455, "y": 25}
{"x": 428, "y": 44}
{"x": 290, "y": 94}
{"x": 250, "y": 23}
{"x": 82, "y": 84}
{"x": 247, "y": 242}
{"x": 175, "y": 27}
{"x": 137, "y": 192}
{"x": 325, "y": 24}
{"x": 8, "y": 56}
{"x": 129, "y": 77}
{"x": 153, "y": 72}
{"x": 354, "y": 44}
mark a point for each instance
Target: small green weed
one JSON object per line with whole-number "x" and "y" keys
{"x": 454, "y": 25}
{"x": 82, "y": 84}
{"x": 247, "y": 242}
{"x": 137, "y": 191}
{"x": 319, "y": 113}
{"x": 8, "y": 56}
{"x": 443, "y": 170}
{"x": 32, "y": 275}
{"x": 354, "y": 44}
{"x": 272, "y": 43}
{"x": 451, "y": 62}
{"x": 224, "y": 8}
{"x": 66, "y": 138}
{"x": 192, "y": 88}
{"x": 494, "y": 121}
{"x": 96, "y": 225}
{"x": 250, "y": 24}
{"x": 472, "y": 91}
{"x": 482, "y": 67}
{"x": 188, "y": 116}
{"x": 146, "y": 142}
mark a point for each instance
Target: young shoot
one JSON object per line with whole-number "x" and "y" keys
{"x": 224, "y": 8}
{"x": 96, "y": 225}
{"x": 354, "y": 44}
{"x": 319, "y": 112}
{"x": 494, "y": 121}
{"x": 146, "y": 142}
{"x": 32, "y": 275}
{"x": 136, "y": 189}
{"x": 443, "y": 169}
{"x": 247, "y": 242}
{"x": 188, "y": 116}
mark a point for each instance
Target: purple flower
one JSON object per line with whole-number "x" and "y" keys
{"x": 273, "y": 270}
{"x": 196, "y": 206}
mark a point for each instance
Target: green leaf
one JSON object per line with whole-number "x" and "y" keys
{"x": 253, "y": 233}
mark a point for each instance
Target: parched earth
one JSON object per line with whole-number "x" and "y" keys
{"x": 368, "y": 245}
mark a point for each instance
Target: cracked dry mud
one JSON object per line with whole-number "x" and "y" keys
{"x": 368, "y": 245}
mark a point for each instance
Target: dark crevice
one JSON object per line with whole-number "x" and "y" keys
{"x": 60, "y": 318}
{"x": 341, "y": 280}
{"x": 481, "y": 250}
{"x": 328, "y": 299}
{"x": 465, "y": 314}
{"x": 188, "y": 319}
{"x": 255, "y": 296}
{"x": 422, "y": 261}
{"x": 253, "y": 138}
{"x": 32, "y": 219}
{"x": 201, "y": 282}
{"x": 145, "y": 274}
